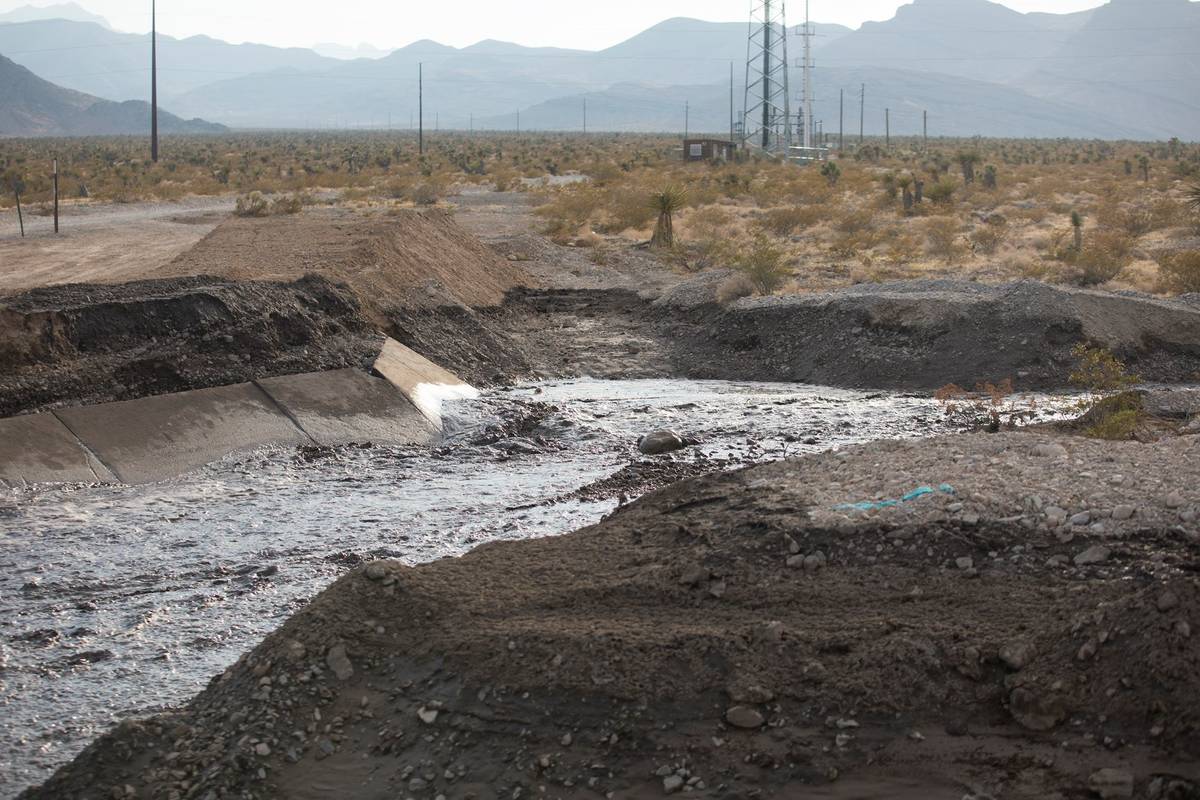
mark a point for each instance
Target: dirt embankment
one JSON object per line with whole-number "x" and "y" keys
{"x": 82, "y": 344}
{"x": 1029, "y": 636}
{"x": 402, "y": 260}
{"x": 922, "y": 335}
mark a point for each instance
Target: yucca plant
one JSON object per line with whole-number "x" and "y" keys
{"x": 667, "y": 203}
{"x": 1077, "y": 225}
{"x": 1193, "y": 197}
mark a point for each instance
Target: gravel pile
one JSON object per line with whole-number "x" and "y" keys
{"x": 739, "y": 635}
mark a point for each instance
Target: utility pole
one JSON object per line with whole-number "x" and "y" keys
{"x": 925, "y": 127}
{"x": 153, "y": 82}
{"x": 585, "y": 116}
{"x": 841, "y": 120}
{"x": 687, "y": 117}
{"x": 518, "y": 122}
{"x": 731, "y": 126}
{"x": 887, "y": 126}
{"x": 421, "y": 108}
{"x": 56, "y": 195}
{"x": 862, "y": 113}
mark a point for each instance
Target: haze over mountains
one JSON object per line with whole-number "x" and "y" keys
{"x": 1129, "y": 69}
{"x": 30, "y": 106}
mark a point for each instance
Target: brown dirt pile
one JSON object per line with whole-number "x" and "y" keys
{"x": 733, "y": 636}
{"x": 406, "y": 259}
{"x": 81, "y": 344}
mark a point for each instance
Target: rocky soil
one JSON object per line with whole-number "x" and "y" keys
{"x": 81, "y": 344}
{"x": 1026, "y": 628}
{"x": 922, "y": 335}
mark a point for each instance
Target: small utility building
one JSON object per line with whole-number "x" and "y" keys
{"x": 708, "y": 150}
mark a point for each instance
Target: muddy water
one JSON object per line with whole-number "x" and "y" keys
{"x": 117, "y": 601}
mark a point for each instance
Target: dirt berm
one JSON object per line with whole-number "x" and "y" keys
{"x": 83, "y": 344}
{"x": 926, "y": 334}
{"x": 741, "y": 636}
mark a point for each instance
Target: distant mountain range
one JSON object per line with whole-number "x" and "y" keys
{"x": 68, "y": 11}
{"x": 30, "y": 106}
{"x": 1129, "y": 69}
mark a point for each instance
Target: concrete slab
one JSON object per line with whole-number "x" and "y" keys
{"x": 348, "y": 405}
{"x": 39, "y": 449}
{"x": 423, "y": 382}
{"x": 159, "y": 437}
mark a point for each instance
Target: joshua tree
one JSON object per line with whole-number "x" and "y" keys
{"x": 989, "y": 177}
{"x": 968, "y": 160}
{"x": 1077, "y": 225}
{"x": 831, "y": 172}
{"x": 1144, "y": 166}
{"x": 667, "y": 202}
{"x": 905, "y": 182}
{"x": 1128, "y": 167}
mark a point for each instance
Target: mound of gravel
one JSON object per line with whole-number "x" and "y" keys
{"x": 926, "y": 334}
{"x": 743, "y": 635}
{"x": 82, "y": 344}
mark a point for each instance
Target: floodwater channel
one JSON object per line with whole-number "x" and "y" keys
{"x": 125, "y": 600}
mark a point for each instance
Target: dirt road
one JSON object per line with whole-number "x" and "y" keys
{"x": 102, "y": 243}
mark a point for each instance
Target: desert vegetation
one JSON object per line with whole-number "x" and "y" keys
{"x": 1087, "y": 213}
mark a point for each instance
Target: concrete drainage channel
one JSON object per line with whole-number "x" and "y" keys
{"x": 153, "y": 438}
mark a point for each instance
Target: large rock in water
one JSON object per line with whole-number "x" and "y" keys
{"x": 926, "y": 334}
{"x": 660, "y": 442}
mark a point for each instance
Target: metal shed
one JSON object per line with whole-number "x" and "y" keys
{"x": 708, "y": 150}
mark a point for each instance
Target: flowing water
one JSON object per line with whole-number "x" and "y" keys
{"x": 118, "y": 601}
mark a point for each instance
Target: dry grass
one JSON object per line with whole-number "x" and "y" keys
{"x": 1136, "y": 233}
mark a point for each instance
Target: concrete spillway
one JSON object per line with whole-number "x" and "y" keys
{"x": 152, "y": 438}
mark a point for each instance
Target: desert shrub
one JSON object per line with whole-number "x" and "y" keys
{"x": 941, "y": 191}
{"x": 762, "y": 264}
{"x": 991, "y": 407}
{"x": 901, "y": 248}
{"x": 735, "y": 287}
{"x": 1103, "y": 258}
{"x": 707, "y": 233}
{"x": 988, "y": 238}
{"x": 1098, "y": 370}
{"x": 786, "y": 221}
{"x": 853, "y": 221}
{"x": 1179, "y": 272}
{"x": 252, "y": 205}
{"x": 942, "y": 239}
{"x": 1115, "y": 418}
{"x": 287, "y": 204}
{"x": 425, "y": 193}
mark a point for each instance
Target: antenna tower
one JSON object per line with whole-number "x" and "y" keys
{"x": 806, "y": 94}
{"x": 768, "y": 120}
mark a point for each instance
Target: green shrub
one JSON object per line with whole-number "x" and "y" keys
{"x": 763, "y": 264}
{"x": 942, "y": 191}
{"x": 1114, "y": 418}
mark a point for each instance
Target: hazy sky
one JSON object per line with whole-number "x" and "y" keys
{"x": 590, "y": 24}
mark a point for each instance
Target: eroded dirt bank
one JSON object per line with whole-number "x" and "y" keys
{"x": 85, "y": 344}
{"x": 1030, "y": 635}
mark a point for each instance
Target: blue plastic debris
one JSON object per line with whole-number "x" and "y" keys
{"x": 915, "y": 494}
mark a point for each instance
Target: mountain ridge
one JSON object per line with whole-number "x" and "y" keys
{"x": 1032, "y": 72}
{"x": 31, "y": 106}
